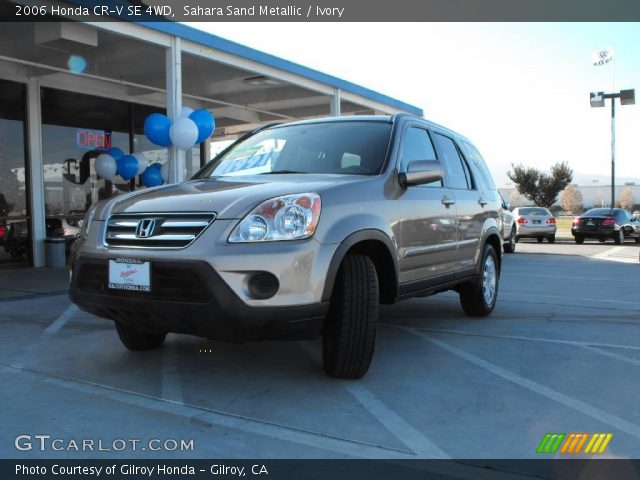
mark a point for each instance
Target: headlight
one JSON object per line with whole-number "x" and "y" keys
{"x": 88, "y": 218}
{"x": 290, "y": 217}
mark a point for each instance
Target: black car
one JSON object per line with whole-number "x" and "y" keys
{"x": 604, "y": 223}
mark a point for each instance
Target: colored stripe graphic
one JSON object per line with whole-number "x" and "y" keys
{"x": 598, "y": 443}
{"x": 574, "y": 442}
{"x": 550, "y": 443}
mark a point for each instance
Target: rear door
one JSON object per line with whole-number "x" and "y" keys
{"x": 471, "y": 207}
{"x": 428, "y": 212}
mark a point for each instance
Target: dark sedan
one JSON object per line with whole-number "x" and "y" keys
{"x": 604, "y": 223}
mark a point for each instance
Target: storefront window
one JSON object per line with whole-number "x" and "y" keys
{"x": 15, "y": 243}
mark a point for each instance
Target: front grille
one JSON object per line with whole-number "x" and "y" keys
{"x": 155, "y": 230}
{"x": 168, "y": 283}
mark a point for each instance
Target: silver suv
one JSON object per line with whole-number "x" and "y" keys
{"x": 297, "y": 231}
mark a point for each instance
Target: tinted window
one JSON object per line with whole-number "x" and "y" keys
{"x": 533, "y": 211}
{"x": 473, "y": 155}
{"x": 417, "y": 146}
{"x": 357, "y": 147}
{"x": 599, "y": 212}
{"x": 453, "y": 164}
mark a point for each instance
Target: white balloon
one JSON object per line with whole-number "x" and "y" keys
{"x": 185, "y": 112}
{"x": 184, "y": 133}
{"x": 164, "y": 171}
{"x": 143, "y": 162}
{"x": 106, "y": 166}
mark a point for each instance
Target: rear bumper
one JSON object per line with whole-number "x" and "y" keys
{"x": 189, "y": 296}
{"x": 595, "y": 232}
{"x": 537, "y": 231}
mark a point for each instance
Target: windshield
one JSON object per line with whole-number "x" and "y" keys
{"x": 354, "y": 147}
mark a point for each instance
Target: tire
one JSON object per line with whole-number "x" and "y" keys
{"x": 350, "y": 327}
{"x": 618, "y": 237}
{"x": 510, "y": 246}
{"x": 579, "y": 239}
{"x": 602, "y": 240}
{"x": 477, "y": 297}
{"x": 539, "y": 239}
{"x": 517, "y": 238}
{"x": 138, "y": 340}
{"x": 637, "y": 239}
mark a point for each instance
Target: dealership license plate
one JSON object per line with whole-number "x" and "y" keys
{"x": 130, "y": 274}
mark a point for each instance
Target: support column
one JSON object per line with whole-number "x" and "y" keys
{"x": 174, "y": 105}
{"x": 35, "y": 181}
{"x": 335, "y": 103}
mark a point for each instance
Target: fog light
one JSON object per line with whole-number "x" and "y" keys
{"x": 262, "y": 285}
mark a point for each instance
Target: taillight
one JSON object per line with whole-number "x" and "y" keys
{"x": 608, "y": 221}
{"x": 522, "y": 220}
{"x": 577, "y": 221}
{"x": 551, "y": 220}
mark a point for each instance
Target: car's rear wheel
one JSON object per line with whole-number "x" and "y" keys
{"x": 510, "y": 246}
{"x": 602, "y": 240}
{"x": 551, "y": 239}
{"x": 539, "y": 239}
{"x": 478, "y": 296}
{"x": 637, "y": 239}
{"x": 350, "y": 327}
{"x": 135, "y": 339}
{"x": 618, "y": 237}
{"x": 579, "y": 239}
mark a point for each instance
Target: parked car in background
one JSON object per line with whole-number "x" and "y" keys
{"x": 16, "y": 241}
{"x": 636, "y": 214}
{"x": 69, "y": 229}
{"x": 535, "y": 222}
{"x": 606, "y": 223}
{"x": 508, "y": 228}
{"x": 3, "y": 234}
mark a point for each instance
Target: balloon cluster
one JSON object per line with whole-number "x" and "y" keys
{"x": 114, "y": 162}
{"x": 192, "y": 127}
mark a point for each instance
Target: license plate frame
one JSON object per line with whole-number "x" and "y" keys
{"x": 129, "y": 274}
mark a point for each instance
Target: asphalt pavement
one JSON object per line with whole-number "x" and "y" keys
{"x": 561, "y": 353}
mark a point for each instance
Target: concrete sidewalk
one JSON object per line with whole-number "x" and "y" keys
{"x": 23, "y": 282}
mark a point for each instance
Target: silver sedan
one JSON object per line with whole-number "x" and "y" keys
{"x": 535, "y": 222}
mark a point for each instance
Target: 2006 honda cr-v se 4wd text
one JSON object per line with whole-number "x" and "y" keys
{"x": 297, "y": 231}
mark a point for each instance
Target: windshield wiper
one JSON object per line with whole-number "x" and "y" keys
{"x": 280, "y": 171}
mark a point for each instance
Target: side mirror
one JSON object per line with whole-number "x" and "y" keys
{"x": 420, "y": 172}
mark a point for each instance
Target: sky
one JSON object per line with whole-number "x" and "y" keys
{"x": 519, "y": 91}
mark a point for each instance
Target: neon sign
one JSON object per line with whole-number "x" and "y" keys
{"x": 93, "y": 139}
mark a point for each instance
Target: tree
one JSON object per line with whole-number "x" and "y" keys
{"x": 541, "y": 188}
{"x": 571, "y": 198}
{"x": 626, "y": 199}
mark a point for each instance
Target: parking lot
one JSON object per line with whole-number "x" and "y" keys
{"x": 559, "y": 354}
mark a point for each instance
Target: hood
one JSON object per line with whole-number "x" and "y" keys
{"x": 229, "y": 197}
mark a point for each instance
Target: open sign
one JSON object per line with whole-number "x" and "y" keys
{"x": 93, "y": 139}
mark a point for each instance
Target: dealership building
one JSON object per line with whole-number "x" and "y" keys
{"x": 68, "y": 90}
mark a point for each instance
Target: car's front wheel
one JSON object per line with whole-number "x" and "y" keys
{"x": 478, "y": 296}
{"x": 350, "y": 327}
{"x": 135, "y": 339}
{"x": 510, "y": 246}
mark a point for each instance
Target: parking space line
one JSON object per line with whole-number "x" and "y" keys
{"x": 575, "y": 404}
{"x": 59, "y": 322}
{"x": 321, "y": 441}
{"x": 619, "y": 357}
{"x": 611, "y": 254}
{"x": 171, "y": 379}
{"x": 529, "y": 339}
{"x": 395, "y": 424}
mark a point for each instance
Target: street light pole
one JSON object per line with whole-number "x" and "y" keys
{"x": 627, "y": 97}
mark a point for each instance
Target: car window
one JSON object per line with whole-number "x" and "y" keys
{"x": 417, "y": 146}
{"x": 473, "y": 156}
{"x": 534, "y": 211}
{"x": 453, "y": 164}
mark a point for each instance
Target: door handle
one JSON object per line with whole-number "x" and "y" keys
{"x": 482, "y": 202}
{"x": 448, "y": 201}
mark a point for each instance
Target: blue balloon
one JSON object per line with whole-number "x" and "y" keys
{"x": 156, "y": 128}
{"x": 127, "y": 167}
{"x": 151, "y": 177}
{"x": 116, "y": 153}
{"x": 205, "y": 123}
{"x": 156, "y": 165}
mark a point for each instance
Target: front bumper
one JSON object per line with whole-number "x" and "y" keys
{"x": 189, "y": 296}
